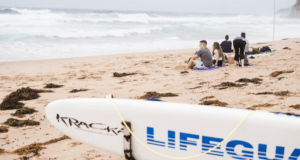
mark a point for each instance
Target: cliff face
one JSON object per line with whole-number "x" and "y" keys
{"x": 295, "y": 12}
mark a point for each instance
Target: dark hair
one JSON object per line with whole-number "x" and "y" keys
{"x": 243, "y": 35}
{"x": 203, "y": 41}
{"x": 226, "y": 37}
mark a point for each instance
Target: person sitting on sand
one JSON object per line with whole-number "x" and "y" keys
{"x": 205, "y": 56}
{"x": 218, "y": 55}
{"x": 226, "y": 45}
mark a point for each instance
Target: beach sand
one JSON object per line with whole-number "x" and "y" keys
{"x": 158, "y": 71}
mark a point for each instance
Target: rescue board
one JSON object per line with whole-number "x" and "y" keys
{"x": 177, "y": 130}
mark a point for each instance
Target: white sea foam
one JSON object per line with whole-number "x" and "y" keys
{"x": 56, "y": 33}
{"x": 27, "y": 11}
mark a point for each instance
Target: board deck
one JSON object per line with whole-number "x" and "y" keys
{"x": 177, "y": 130}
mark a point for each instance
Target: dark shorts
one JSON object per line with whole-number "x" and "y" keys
{"x": 220, "y": 62}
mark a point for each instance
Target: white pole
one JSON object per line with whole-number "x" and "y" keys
{"x": 274, "y": 23}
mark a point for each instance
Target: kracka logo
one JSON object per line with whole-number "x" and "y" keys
{"x": 70, "y": 122}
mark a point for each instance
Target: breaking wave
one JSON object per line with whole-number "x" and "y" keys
{"x": 32, "y": 30}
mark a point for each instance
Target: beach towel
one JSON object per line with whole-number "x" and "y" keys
{"x": 262, "y": 55}
{"x": 210, "y": 69}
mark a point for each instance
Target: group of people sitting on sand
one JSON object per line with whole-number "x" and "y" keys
{"x": 217, "y": 57}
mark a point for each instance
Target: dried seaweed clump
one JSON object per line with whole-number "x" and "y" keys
{"x": 214, "y": 103}
{"x": 225, "y": 85}
{"x": 2, "y": 150}
{"x": 206, "y": 98}
{"x": 3, "y": 129}
{"x": 281, "y": 93}
{"x": 20, "y": 123}
{"x": 116, "y": 74}
{"x": 51, "y": 85}
{"x": 297, "y": 106}
{"x": 253, "y": 80}
{"x": 12, "y": 100}
{"x": 24, "y": 158}
{"x": 56, "y": 140}
{"x": 78, "y": 90}
{"x": 35, "y": 148}
{"x": 202, "y": 83}
{"x": 277, "y": 73}
{"x": 157, "y": 95}
{"x": 260, "y": 106}
{"x": 21, "y": 112}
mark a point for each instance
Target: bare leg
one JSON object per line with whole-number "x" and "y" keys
{"x": 191, "y": 65}
{"x": 243, "y": 62}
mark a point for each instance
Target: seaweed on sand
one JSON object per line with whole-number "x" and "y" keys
{"x": 20, "y": 123}
{"x": 277, "y": 73}
{"x": 21, "y": 112}
{"x": 35, "y": 148}
{"x": 24, "y": 158}
{"x": 214, "y": 103}
{"x": 51, "y": 85}
{"x": 157, "y": 95}
{"x": 253, "y": 80}
{"x": 297, "y": 106}
{"x": 56, "y": 140}
{"x": 195, "y": 87}
{"x": 12, "y": 100}
{"x": 281, "y": 93}
{"x": 206, "y": 98}
{"x": 260, "y": 106}
{"x": 78, "y": 90}
{"x": 3, "y": 129}
{"x": 116, "y": 74}
{"x": 201, "y": 85}
{"x": 1, "y": 151}
{"x": 225, "y": 85}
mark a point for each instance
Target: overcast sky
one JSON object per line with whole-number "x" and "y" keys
{"x": 203, "y": 6}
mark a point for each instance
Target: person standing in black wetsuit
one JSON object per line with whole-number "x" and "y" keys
{"x": 239, "y": 44}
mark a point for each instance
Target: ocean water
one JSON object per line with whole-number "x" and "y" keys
{"x": 31, "y": 34}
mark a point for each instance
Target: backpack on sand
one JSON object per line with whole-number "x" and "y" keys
{"x": 265, "y": 49}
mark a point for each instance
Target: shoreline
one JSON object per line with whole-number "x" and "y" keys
{"x": 130, "y": 54}
{"x": 157, "y": 72}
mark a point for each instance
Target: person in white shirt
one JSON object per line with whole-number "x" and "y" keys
{"x": 218, "y": 55}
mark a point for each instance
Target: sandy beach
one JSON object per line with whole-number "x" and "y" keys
{"x": 156, "y": 72}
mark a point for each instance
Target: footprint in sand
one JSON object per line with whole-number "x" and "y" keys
{"x": 73, "y": 144}
{"x": 167, "y": 85}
